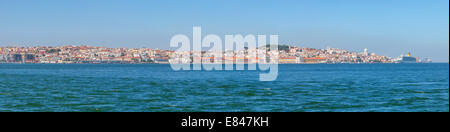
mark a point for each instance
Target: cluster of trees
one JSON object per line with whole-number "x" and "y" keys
{"x": 53, "y": 50}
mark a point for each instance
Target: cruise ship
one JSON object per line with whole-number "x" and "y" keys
{"x": 407, "y": 59}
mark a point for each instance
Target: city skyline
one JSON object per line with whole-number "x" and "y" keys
{"x": 284, "y": 55}
{"x": 386, "y": 27}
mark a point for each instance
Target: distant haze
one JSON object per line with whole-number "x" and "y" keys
{"x": 386, "y": 27}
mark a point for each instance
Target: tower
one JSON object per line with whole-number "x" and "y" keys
{"x": 366, "y": 53}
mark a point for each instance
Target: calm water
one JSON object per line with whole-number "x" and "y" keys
{"x": 153, "y": 87}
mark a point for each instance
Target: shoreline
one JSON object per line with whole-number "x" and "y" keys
{"x": 213, "y": 64}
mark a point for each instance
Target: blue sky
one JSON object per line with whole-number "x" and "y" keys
{"x": 386, "y": 27}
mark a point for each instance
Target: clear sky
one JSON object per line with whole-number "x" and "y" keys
{"x": 386, "y": 27}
